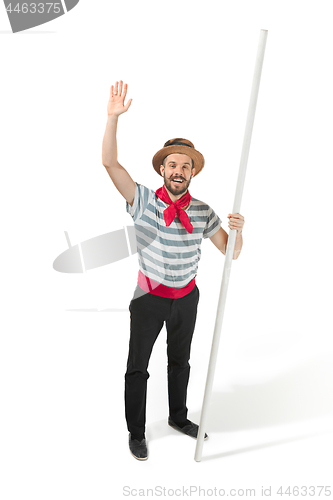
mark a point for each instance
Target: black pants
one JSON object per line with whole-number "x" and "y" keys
{"x": 148, "y": 313}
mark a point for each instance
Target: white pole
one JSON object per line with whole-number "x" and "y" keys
{"x": 231, "y": 241}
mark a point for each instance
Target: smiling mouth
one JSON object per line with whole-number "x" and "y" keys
{"x": 178, "y": 181}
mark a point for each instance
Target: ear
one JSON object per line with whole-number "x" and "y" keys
{"x": 193, "y": 172}
{"x": 162, "y": 170}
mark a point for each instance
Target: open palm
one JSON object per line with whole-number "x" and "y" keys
{"x": 117, "y": 99}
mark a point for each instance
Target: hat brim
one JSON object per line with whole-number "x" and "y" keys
{"x": 197, "y": 157}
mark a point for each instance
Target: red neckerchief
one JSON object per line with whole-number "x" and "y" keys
{"x": 175, "y": 208}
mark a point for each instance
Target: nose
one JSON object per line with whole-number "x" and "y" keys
{"x": 178, "y": 172}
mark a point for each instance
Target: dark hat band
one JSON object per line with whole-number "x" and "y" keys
{"x": 178, "y": 144}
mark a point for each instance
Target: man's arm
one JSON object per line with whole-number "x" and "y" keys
{"x": 220, "y": 238}
{"x": 119, "y": 176}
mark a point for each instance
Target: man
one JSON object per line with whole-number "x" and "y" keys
{"x": 174, "y": 224}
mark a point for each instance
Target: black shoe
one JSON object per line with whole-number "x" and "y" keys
{"x": 190, "y": 429}
{"x": 138, "y": 448}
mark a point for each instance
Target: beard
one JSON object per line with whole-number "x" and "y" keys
{"x": 176, "y": 191}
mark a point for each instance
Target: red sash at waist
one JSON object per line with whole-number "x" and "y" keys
{"x": 150, "y": 286}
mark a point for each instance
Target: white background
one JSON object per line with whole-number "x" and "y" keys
{"x": 189, "y": 68}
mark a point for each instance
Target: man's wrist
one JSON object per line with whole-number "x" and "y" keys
{"x": 113, "y": 118}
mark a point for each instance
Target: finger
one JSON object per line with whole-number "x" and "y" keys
{"x": 240, "y": 222}
{"x": 125, "y": 90}
{"x": 120, "y": 87}
{"x": 128, "y": 104}
{"x": 111, "y": 91}
{"x": 236, "y": 223}
{"x": 116, "y": 88}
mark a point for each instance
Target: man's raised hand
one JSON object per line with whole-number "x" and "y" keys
{"x": 117, "y": 99}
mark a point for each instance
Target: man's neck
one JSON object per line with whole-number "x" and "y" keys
{"x": 173, "y": 197}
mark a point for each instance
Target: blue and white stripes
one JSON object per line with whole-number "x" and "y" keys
{"x": 169, "y": 255}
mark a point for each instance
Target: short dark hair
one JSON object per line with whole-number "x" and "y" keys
{"x": 169, "y": 155}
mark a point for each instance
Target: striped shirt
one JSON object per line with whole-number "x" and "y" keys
{"x": 169, "y": 254}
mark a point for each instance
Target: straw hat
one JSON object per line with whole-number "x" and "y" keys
{"x": 182, "y": 146}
